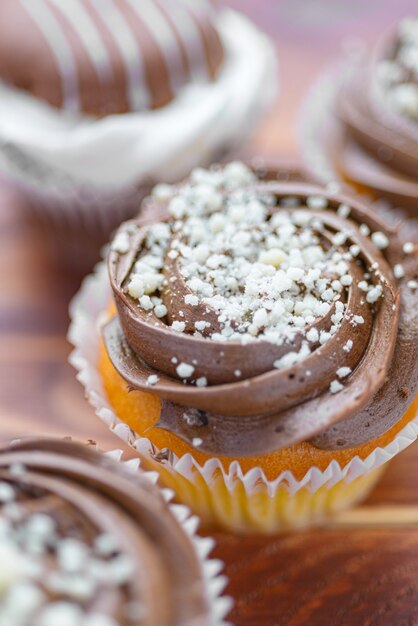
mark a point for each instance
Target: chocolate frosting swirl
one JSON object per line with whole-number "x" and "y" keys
{"x": 378, "y": 108}
{"x": 249, "y": 397}
{"x": 141, "y": 563}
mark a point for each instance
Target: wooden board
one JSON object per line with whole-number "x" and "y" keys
{"x": 363, "y": 571}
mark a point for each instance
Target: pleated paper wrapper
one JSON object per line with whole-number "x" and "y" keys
{"x": 231, "y": 499}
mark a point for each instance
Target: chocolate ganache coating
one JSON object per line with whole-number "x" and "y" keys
{"x": 264, "y": 313}
{"x": 84, "y": 539}
{"x": 108, "y": 57}
{"x": 378, "y": 108}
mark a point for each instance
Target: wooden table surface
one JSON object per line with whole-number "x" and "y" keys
{"x": 363, "y": 571}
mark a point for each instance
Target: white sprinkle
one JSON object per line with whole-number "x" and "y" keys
{"x": 312, "y": 335}
{"x": 191, "y": 299}
{"x": 62, "y": 613}
{"x": 374, "y": 294}
{"x": 339, "y": 238}
{"x": 354, "y": 250}
{"x": 105, "y": 544}
{"x": 202, "y": 382}
{"x": 72, "y": 555}
{"x": 178, "y": 326}
{"x": 260, "y": 318}
{"x": 343, "y": 372}
{"x": 335, "y": 386}
{"x": 380, "y": 240}
{"x": 408, "y": 247}
{"x": 328, "y": 294}
{"x": 237, "y": 373}
{"x": 174, "y": 360}
{"x": 184, "y": 370}
{"x": 346, "y": 280}
{"x": 344, "y": 210}
{"x": 121, "y": 242}
{"x": 412, "y": 284}
{"x": 358, "y": 319}
{"x": 398, "y": 271}
{"x": 7, "y": 493}
{"x": 200, "y": 325}
{"x": 197, "y": 441}
{"x": 162, "y": 192}
{"x": 274, "y": 257}
{"x": 146, "y": 303}
{"x": 152, "y": 379}
{"x": 160, "y": 310}
{"x": 365, "y": 230}
{"x": 17, "y": 469}
{"x": 348, "y": 346}
{"x": 317, "y": 202}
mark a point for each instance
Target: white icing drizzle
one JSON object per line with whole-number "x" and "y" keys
{"x": 189, "y": 33}
{"x": 44, "y": 19}
{"x": 89, "y": 35}
{"x": 161, "y": 31}
{"x": 193, "y": 129}
{"x": 139, "y": 95}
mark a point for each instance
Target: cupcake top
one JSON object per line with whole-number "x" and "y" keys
{"x": 108, "y": 57}
{"x": 85, "y": 541}
{"x": 376, "y": 139}
{"x": 264, "y": 312}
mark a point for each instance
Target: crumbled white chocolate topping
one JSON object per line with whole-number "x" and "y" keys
{"x": 184, "y": 370}
{"x": 335, "y": 386}
{"x": 398, "y": 271}
{"x": 47, "y": 579}
{"x": 398, "y": 76}
{"x": 408, "y": 247}
{"x": 268, "y": 275}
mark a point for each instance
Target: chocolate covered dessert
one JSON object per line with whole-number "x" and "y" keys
{"x": 100, "y": 58}
{"x": 264, "y": 314}
{"x": 99, "y": 101}
{"x": 260, "y": 348}
{"x": 88, "y": 541}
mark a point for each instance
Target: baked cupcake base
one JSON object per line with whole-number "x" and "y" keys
{"x": 238, "y": 495}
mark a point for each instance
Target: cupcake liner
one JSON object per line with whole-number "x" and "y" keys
{"x": 82, "y": 177}
{"x": 216, "y": 582}
{"x": 234, "y": 499}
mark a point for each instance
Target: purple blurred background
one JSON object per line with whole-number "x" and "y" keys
{"x": 308, "y": 35}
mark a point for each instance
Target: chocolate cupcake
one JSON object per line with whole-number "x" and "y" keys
{"x": 261, "y": 326}
{"x": 85, "y": 540}
{"x": 365, "y": 125}
{"x": 98, "y": 100}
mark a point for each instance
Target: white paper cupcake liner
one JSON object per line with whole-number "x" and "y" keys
{"x": 82, "y": 177}
{"x": 86, "y": 312}
{"x": 219, "y": 605}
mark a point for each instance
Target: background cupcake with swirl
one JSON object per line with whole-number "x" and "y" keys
{"x": 359, "y": 124}
{"x": 98, "y": 100}
{"x": 87, "y": 539}
{"x": 262, "y": 351}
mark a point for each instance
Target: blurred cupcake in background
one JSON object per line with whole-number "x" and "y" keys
{"x": 360, "y": 124}
{"x": 262, "y": 353}
{"x": 87, "y": 540}
{"x": 98, "y": 100}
